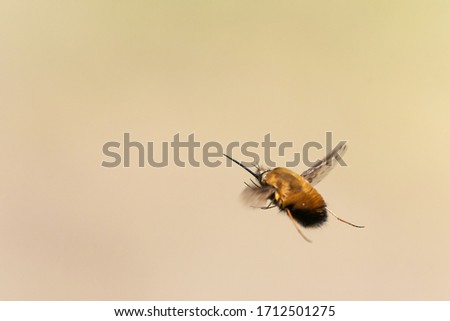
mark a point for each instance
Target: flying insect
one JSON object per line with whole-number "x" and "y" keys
{"x": 294, "y": 193}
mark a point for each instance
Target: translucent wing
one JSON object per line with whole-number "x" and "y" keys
{"x": 257, "y": 196}
{"x": 322, "y": 167}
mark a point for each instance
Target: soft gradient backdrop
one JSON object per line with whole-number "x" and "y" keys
{"x": 74, "y": 75}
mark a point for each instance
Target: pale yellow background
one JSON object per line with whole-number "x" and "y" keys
{"x": 76, "y": 74}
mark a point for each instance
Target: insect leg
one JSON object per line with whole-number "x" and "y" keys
{"x": 268, "y": 207}
{"x": 340, "y": 219}
{"x": 271, "y": 205}
{"x": 296, "y": 226}
{"x": 256, "y": 185}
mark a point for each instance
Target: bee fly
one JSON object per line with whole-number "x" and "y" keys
{"x": 294, "y": 193}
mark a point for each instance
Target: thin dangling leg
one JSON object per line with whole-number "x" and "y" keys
{"x": 340, "y": 219}
{"x": 296, "y": 226}
{"x": 271, "y": 205}
{"x": 268, "y": 207}
{"x": 265, "y": 207}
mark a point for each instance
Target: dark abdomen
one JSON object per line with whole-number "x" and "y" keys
{"x": 309, "y": 217}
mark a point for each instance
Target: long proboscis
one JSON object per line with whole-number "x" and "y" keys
{"x": 243, "y": 166}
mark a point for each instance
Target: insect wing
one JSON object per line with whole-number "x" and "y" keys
{"x": 257, "y": 196}
{"x": 322, "y": 167}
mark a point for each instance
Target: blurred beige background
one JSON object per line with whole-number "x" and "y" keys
{"x": 76, "y": 75}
